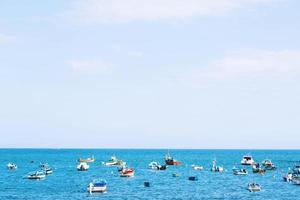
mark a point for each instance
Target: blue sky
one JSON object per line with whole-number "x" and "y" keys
{"x": 150, "y": 74}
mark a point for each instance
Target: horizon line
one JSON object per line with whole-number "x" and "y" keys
{"x": 140, "y": 148}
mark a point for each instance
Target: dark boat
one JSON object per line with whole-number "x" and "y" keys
{"x": 193, "y": 178}
{"x": 147, "y": 184}
{"x": 171, "y": 161}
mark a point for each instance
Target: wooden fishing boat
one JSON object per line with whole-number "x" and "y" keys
{"x": 87, "y": 160}
{"x": 127, "y": 172}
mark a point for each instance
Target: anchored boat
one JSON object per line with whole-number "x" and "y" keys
{"x": 254, "y": 187}
{"x": 36, "y": 175}
{"x": 114, "y": 162}
{"x": 12, "y": 166}
{"x": 193, "y": 178}
{"x": 268, "y": 165}
{"x": 239, "y": 171}
{"x": 127, "y": 172}
{"x": 247, "y": 160}
{"x": 197, "y": 167}
{"x": 98, "y": 185}
{"x": 171, "y": 161}
{"x": 215, "y": 167}
{"x": 87, "y": 160}
{"x": 83, "y": 166}
{"x": 157, "y": 166}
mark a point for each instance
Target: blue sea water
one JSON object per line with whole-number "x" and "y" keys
{"x": 67, "y": 183}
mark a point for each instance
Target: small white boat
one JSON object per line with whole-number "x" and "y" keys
{"x": 268, "y": 165}
{"x": 157, "y": 166}
{"x": 12, "y": 166}
{"x": 239, "y": 171}
{"x": 215, "y": 167}
{"x": 83, "y": 166}
{"x": 254, "y": 187}
{"x": 197, "y": 167}
{"x": 36, "y": 175}
{"x": 98, "y": 185}
{"x": 247, "y": 160}
{"x": 114, "y": 162}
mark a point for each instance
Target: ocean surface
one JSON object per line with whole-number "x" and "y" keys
{"x": 67, "y": 183}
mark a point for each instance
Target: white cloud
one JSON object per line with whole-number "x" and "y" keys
{"x": 149, "y": 10}
{"x": 248, "y": 63}
{"x": 7, "y": 39}
{"x": 90, "y": 66}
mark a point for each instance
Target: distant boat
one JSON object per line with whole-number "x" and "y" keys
{"x": 197, "y": 167}
{"x": 215, "y": 167}
{"x": 254, "y": 187}
{"x": 268, "y": 165}
{"x": 114, "y": 162}
{"x": 157, "y": 166}
{"x": 87, "y": 160}
{"x": 83, "y": 166}
{"x": 293, "y": 175}
{"x": 98, "y": 185}
{"x": 258, "y": 169}
{"x": 12, "y": 166}
{"x": 36, "y": 175}
{"x": 193, "y": 178}
{"x": 239, "y": 171}
{"x": 127, "y": 172}
{"x": 171, "y": 161}
{"x": 247, "y": 160}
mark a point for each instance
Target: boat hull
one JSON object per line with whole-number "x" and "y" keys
{"x": 96, "y": 189}
{"x": 131, "y": 174}
{"x": 35, "y": 177}
{"x": 173, "y": 162}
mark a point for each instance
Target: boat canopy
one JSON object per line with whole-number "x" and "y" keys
{"x": 99, "y": 182}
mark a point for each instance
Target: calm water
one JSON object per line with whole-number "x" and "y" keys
{"x": 67, "y": 183}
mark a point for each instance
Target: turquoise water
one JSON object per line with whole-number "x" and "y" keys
{"x": 67, "y": 183}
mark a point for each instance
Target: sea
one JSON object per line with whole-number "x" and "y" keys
{"x": 66, "y": 183}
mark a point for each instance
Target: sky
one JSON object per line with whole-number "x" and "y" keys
{"x": 150, "y": 74}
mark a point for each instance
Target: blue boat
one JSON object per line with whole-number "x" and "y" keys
{"x": 98, "y": 185}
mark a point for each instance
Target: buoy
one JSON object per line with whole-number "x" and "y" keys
{"x": 193, "y": 178}
{"x": 147, "y": 184}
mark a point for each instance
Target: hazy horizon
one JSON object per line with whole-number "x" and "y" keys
{"x": 218, "y": 74}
